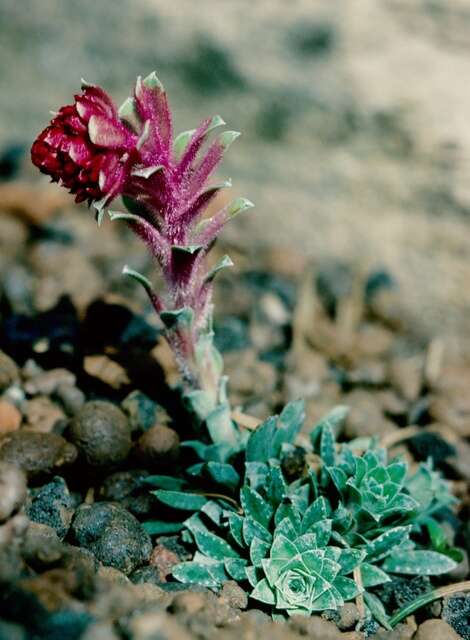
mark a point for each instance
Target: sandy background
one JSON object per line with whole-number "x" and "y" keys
{"x": 355, "y": 117}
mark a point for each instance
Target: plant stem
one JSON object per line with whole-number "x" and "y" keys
{"x": 427, "y": 598}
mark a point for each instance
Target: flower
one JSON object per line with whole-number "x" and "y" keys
{"x": 86, "y": 147}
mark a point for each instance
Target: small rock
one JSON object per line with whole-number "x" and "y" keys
{"x": 142, "y": 411}
{"x": 249, "y": 377}
{"x": 11, "y": 565}
{"x": 99, "y": 631}
{"x": 41, "y": 547}
{"x": 43, "y": 415}
{"x": 37, "y": 453}
{"x": 147, "y": 573}
{"x": 47, "y": 382}
{"x": 315, "y": 627}
{"x": 52, "y": 505}
{"x": 189, "y": 602}
{"x": 9, "y": 372}
{"x": 102, "y": 434}
{"x": 72, "y": 398}
{"x": 334, "y": 282}
{"x": 113, "y": 534}
{"x": 10, "y": 417}
{"x": 406, "y": 375}
{"x": 12, "y": 489}
{"x": 234, "y": 595}
{"x": 106, "y": 370}
{"x": 437, "y": 630}
{"x": 151, "y": 625}
{"x": 456, "y": 612}
{"x": 348, "y": 616}
{"x": 163, "y": 559}
{"x": 128, "y": 488}
{"x": 365, "y": 417}
{"x": 158, "y": 446}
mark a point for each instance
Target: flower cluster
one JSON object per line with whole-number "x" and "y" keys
{"x": 100, "y": 152}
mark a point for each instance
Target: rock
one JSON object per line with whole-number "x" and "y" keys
{"x": 406, "y": 375}
{"x": 163, "y": 559}
{"x": 315, "y": 627}
{"x": 43, "y": 415}
{"x": 11, "y": 565}
{"x": 41, "y": 547}
{"x": 114, "y": 535}
{"x": 12, "y": 489}
{"x": 107, "y": 370}
{"x": 151, "y": 625}
{"x": 141, "y": 410}
{"x": 10, "y": 417}
{"x": 99, "y": 631}
{"x": 102, "y": 434}
{"x": 47, "y": 382}
{"x": 37, "y": 453}
{"x": 436, "y": 630}
{"x": 456, "y": 612}
{"x": 146, "y": 573}
{"x": 189, "y": 602}
{"x": 128, "y": 488}
{"x": 234, "y": 595}
{"x": 52, "y": 505}
{"x": 9, "y": 372}
{"x": 71, "y": 397}
{"x": 249, "y": 377}
{"x": 400, "y": 632}
{"x": 157, "y": 447}
{"x": 334, "y": 281}
{"x": 11, "y": 631}
{"x": 365, "y": 417}
{"x": 348, "y": 616}
{"x": 13, "y": 529}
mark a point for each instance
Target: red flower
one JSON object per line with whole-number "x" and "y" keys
{"x": 87, "y": 147}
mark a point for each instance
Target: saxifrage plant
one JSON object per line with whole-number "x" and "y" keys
{"x": 340, "y": 529}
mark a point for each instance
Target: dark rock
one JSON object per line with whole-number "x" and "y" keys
{"x": 431, "y": 445}
{"x": 142, "y": 411}
{"x": 52, "y": 505}
{"x": 128, "y": 488}
{"x": 158, "y": 447}
{"x": 146, "y": 574}
{"x": 37, "y": 453}
{"x": 456, "y": 611}
{"x": 12, "y": 489}
{"x": 11, "y": 564}
{"x": 11, "y": 157}
{"x": 9, "y": 372}
{"x": 262, "y": 281}
{"x": 114, "y": 535}
{"x": 164, "y": 559}
{"x": 334, "y": 282}
{"x": 102, "y": 434}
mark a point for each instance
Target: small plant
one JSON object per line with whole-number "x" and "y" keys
{"x": 99, "y": 153}
{"x": 347, "y": 523}
{"x": 344, "y": 528}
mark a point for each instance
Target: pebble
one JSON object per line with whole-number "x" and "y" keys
{"x": 43, "y": 415}
{"x": 37, "y": 453}
{"x": 365, "y": 417}
{"x": 152, "y": 625}
{"x": 102, "y": 434}
{"x": 127, "y": 488}
{"x": 52, "y": 505}
{"x": 41, "y": 546}
{"x": 436, "y": 630}
{"x": 71, "y": 397}
{"x": 406, "y": 376}
{"x": 456, "y": 612}
{"x": 189, "y": 602}
{"x": 114, "y": 535}
{"x": 348, "y": 616}
{"x": 10, "y": 417}
{"x": 234, "y": 595}
{"x": 12, "y": 489}
{"x": 163, "y": 559}
{"x": 158, "y": 446}
{"x": 9, "y": 372}
{"x": 315, "y": 627}
{"x": 107, "y": 370}
{"x": 47, "y": 382}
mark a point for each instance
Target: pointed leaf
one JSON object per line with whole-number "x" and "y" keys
{"x": 207, "y": 575}
{"x": 213, "y": 546}
{"x": 416, "y": 562}
{"x": 254, "y": 506}
{"x": 180, "y": 500}
{"x": 371, "y": 575}
{"x": 263, "y": 592}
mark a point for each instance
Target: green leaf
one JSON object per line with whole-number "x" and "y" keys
{"x": 180, "y": 500}
{"x": 327, "y": 445}
{"x": 164, "y": 482}
{"x": 259, "y": 549}
{"x": 221, "y": 428}
{"x": 423, "y": 563}
{"x": 287, "y": 510}
{"x": 236, "y": 568}
{"x": 256, "y": 474}
{"x": 206, "y": 575}
{"x": 258, "y": 447}
{"x": 160, "y": 527}
{"x": 181, "y": 142}
{"x": 253, "y": 529}
{"x": 377, "y": 610}
{"x": 317, "y": 511}
{"x": 236, "y": 528}
{"x": 223, "y": 474}
{"x": 333, "y": 420}
{"x": 252, "y": 574}
{"x": 238, "y": 206}
{"x": 127, "y": 271}
{"x": 372, "y": 576}
{"x": 276, "y": 488}
{"x": 223, "y": 263}
{"x": 263, "y": 592}
{"x": 213, "y": 546}
{"x": 384, "y": 544}
{"x": 288, "y": 426}
{"x": 347, "y": 587}
{"x": 349, "y": 559}
{"x": 255, "y": 506}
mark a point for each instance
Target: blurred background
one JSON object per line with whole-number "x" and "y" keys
{"x": 355, "y": 118}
